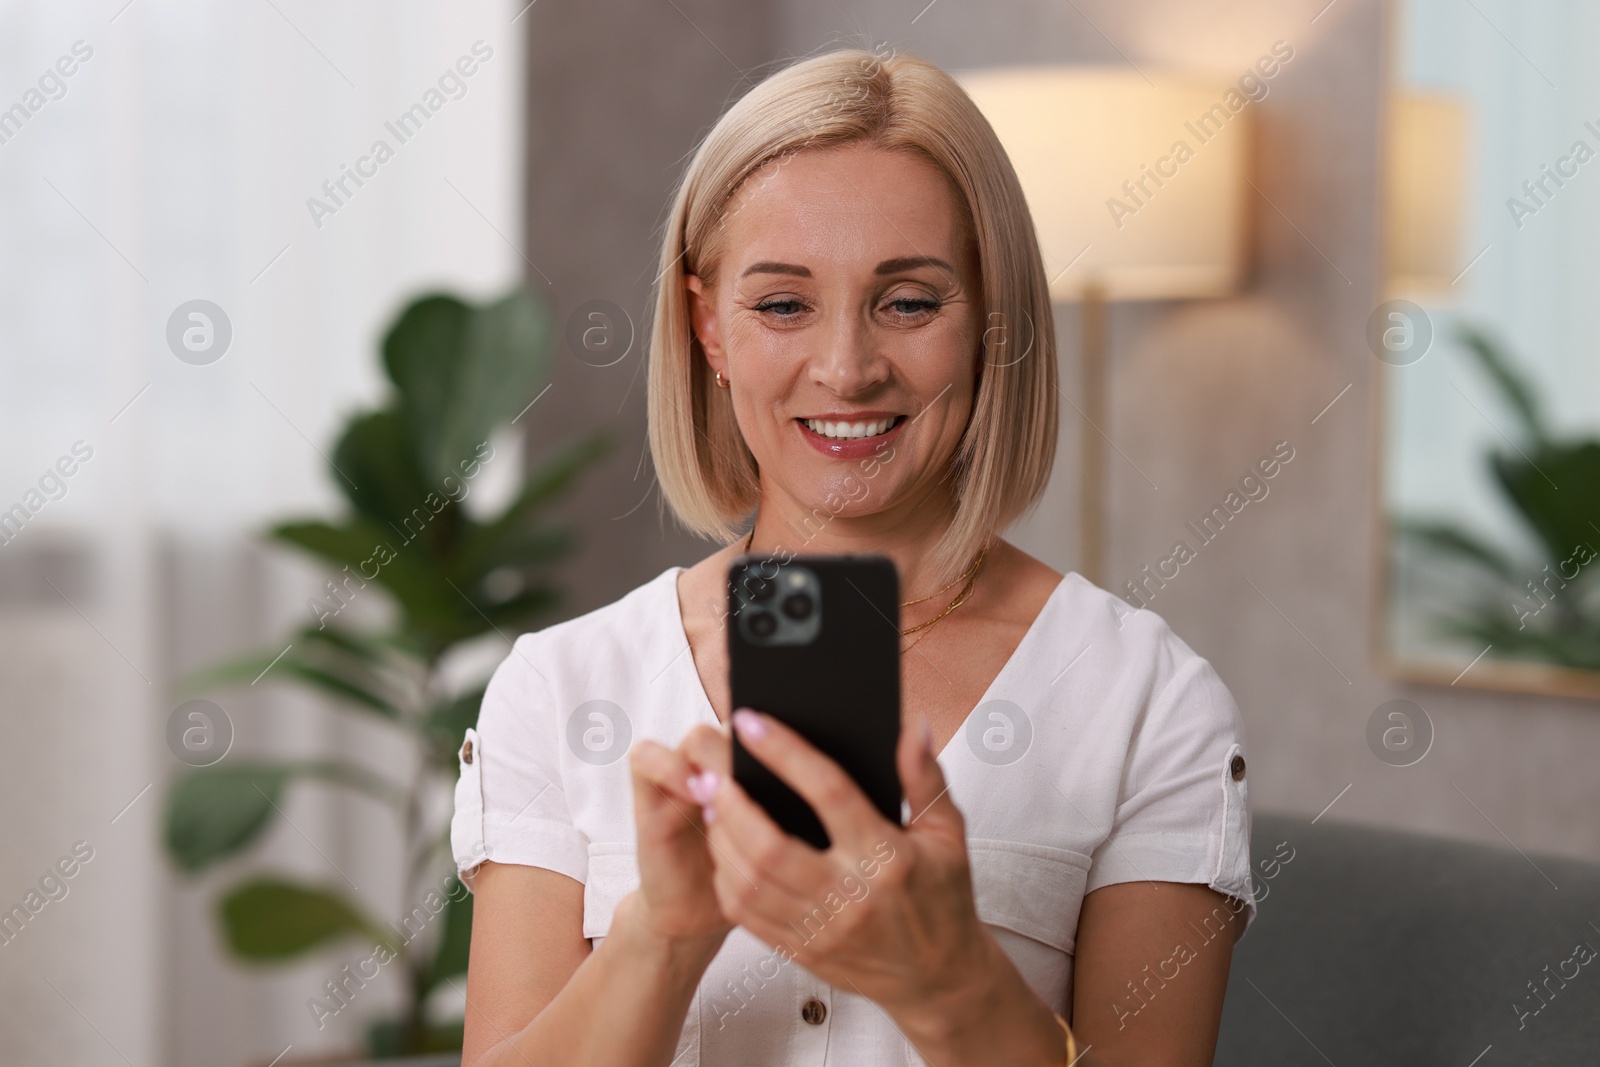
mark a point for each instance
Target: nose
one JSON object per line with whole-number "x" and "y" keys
{"x": 849, "y": 362}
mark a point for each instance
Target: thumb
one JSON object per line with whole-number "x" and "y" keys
{"x": 927, "y": 792}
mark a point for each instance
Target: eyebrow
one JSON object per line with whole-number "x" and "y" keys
{"x": 897, "y": 266}
{"x": 768, "y": 266}
{"x": 888, "y": 266}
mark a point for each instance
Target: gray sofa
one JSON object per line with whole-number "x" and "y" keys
{"x": 1381, "y": 949}
{"x": 1378, "y": 948}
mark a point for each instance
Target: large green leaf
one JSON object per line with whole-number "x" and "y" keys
{"x": 214, "y": 812}
{"x": 319, "y": 664}
{"x": 333, "y": 683}
{"x": 354, "y": 544}
{"x": 418, "y": 583}
{"x": 377, "y": 454}
{"x": 439, "y": 609}
{"x": 1556, "y": 490}
{"x": 422, "y": 353}
{"x": 1458, "y": 543}
{"x": 506, "y": 358}
{"x": 270, "y": 919}
{"x": 500, "y": 543}
{"x": 1513, "y": 385}
{"x": 1577, "y": 648}
{"x": 461, "y": 371}
{"x": 359, "y": 646}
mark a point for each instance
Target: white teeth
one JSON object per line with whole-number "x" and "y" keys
{"x": 848, "y": 430}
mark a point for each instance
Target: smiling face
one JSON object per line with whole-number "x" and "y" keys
{"x": 845, "y": 315}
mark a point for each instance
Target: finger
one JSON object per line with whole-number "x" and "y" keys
{"x": 927, "y": 792}
{"x": 743, "y": 828}
{"x": 662, "y": 767}
{"x": 709, "y": 749}
{"x": 661, "y": 784}
{"x": 846, "y": 813}
{"x": 747, "y": 897}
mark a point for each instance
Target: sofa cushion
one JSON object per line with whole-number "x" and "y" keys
{"x": 1374, "y": 947}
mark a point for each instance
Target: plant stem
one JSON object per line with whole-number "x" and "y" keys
{"x": 417, "y": 850}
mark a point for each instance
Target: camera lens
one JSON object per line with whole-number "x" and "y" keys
{"x": 798, "y": 605}
{"x": 763, "y": 624}
{"x": 758, "y": 588}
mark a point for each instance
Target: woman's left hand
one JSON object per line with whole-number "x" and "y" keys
{"x": 886, "y": 911}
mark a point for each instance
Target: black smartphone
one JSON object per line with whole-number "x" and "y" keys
{"x": 814, "y": 641}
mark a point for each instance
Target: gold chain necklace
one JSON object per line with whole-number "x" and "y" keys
{"x": 970, "y": 575}
{"x": 963, "y": 576}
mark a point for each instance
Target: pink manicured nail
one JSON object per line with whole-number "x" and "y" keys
{"x": 709, "y": 814}
{"x": 704, "y": 786}
{"x": 750, "y": 725}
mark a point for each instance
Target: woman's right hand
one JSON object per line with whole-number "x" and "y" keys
{"x": 675, "y": 901}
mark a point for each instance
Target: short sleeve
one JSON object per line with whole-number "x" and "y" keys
{"x": 1183, "y": 807}
{"x": 510, "y": 806}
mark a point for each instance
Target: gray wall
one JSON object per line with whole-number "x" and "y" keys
{"x": 619, "y": 94}
{"x": 1282, "y": 602}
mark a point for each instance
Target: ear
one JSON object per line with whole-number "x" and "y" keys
{"x": 703, "y": 319}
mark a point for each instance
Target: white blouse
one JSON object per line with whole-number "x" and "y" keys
{"x": 1104, "y": 751}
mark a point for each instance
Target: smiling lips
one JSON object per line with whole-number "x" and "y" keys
{"x": 844, "y": 430}
{"x": 851, "y": 438}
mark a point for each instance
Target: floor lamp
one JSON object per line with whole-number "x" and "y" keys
{"x": 1137, "y": 189}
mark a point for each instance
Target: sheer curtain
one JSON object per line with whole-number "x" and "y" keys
{"x": 155, "y": 154}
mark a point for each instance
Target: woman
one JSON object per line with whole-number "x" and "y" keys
{"x": 853, "y": 342}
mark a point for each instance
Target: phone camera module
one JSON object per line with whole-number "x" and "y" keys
{"x": 782, "y": 605}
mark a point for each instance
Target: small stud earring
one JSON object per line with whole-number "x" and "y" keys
{"x": 721, "y": 382}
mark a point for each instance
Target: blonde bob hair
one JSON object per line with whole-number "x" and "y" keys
{"x": 896, "y": 102}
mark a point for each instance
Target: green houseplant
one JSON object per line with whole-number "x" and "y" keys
{"x": 1544, "y": 605}
{"x": 459, "y": 372}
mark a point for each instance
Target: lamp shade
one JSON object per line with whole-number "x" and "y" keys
{"x": 1426, "y": 165}
{"x": 1136, "y": 188}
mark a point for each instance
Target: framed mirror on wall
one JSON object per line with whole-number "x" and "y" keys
{"x": 1489, "y": 335}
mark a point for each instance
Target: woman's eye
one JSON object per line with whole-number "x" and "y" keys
{"x": 913, "y": 305}
{"x": 782, "y": 308}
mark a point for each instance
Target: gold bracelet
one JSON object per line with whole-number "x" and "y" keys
{"x": 1072, "y": 1043}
